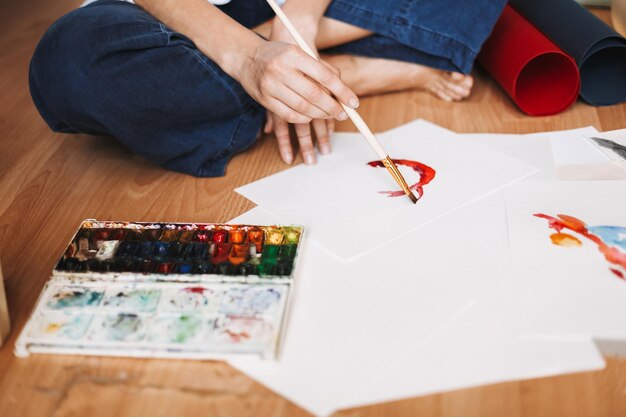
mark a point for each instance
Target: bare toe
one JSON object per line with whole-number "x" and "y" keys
{"x": 457, "y": 76}
{"x": 457, "y": 91}
{"x": 460, "y": 79}
{"x": 458, "y": 83}
{"x": 468, "y": 82}
{"x": 441, "y": 93}
{"x": 444, "y": 90}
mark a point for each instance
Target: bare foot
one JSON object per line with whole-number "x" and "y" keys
{"x": 375, "y": 75}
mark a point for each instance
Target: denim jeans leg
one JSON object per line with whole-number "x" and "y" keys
{"x": 111, "y": 68}
{"x": 445, "y": 34}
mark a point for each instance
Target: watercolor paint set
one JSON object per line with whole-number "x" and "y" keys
{"x": 196, "y": 291}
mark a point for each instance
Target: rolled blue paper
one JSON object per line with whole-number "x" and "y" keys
{"x": 599, "y": 51}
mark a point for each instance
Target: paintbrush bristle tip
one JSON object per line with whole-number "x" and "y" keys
{"x": 413, "y": 198}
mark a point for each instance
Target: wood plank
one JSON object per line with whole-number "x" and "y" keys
{"x": 49, "y": 182}
{"x": 5, "y": 322}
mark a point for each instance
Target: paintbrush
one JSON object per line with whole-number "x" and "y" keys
{"x": 353, "y": 114}
{"x": 614, "y": 146}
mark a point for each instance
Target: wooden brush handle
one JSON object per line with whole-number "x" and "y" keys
{"x": 352, "y": 114}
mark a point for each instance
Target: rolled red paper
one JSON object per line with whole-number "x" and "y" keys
{"x": 539, "y": 77}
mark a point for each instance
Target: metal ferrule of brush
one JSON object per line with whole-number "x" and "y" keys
{"x": 395, "y": 173}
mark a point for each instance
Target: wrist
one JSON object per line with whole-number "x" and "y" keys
{"x": 237, "y": 56}
{"x": 306, "y": 25}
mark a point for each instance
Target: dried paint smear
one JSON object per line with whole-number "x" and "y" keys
{"x": 177, "y": 329}
{"x": 75, "y": 297}
{"x": 426, "y": 173}
{"x": 119, "y": 327}
{"x": 133, "y": 300}
{"x": 58, "y": 326}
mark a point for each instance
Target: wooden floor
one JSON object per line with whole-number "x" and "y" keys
{"x": 49, "y": 182}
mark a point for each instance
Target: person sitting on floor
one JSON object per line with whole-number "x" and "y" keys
{"x": 187, "y": 83}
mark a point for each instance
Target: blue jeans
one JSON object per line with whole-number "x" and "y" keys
{"x": 112, "y": 69}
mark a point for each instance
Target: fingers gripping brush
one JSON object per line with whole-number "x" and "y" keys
{"x": 353, "y": 114}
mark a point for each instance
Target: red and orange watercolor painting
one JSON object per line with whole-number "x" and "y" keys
{"x": 611, "y": 240}
{"x": 425, "y": 172}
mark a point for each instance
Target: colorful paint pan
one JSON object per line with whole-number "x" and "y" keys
{"x": 186, "y": 236}
{"x": 256, "y": 237}
{"x": 274, "y": 237}
{"x": 219, "y": 236}
{"x": 292, "y": 236}
{"x": 151, "y": 235}
{"x": 237, "y": 236}
{"x": 202, "y": 236}
{"x": 169, "y": 235}
{"x": 239, "y": 253}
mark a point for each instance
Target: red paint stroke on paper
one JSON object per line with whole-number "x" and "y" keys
{"x": 608, "y": 238}
{"x": 426, "y": 175}
{"x": 237, "y": 337}
{"x": 196, "y": 290}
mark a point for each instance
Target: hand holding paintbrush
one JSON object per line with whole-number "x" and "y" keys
{"x": 354, "y": 116}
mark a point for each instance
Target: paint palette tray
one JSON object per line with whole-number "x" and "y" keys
{"x": 196, "y": 291}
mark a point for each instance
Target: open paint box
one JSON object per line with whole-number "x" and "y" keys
{"x": 184, "y": 290}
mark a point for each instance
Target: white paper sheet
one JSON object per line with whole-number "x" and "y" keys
{"x": 576, "y": 159}
{"x": 560, "y": 155}
{"x": 469, "y": 250}
{"x": 349, "y": 323}
{"x": 617, "y": 136}
{"x": 478, "y": 349}
{"x": 338, "y": 198}
{"x": 325, "y": 370}
{"x": 532, "y": 149}
{"x": 569, "y": 147}
{"x": 566, "y": 290}
{"x": 330, "y": 363}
